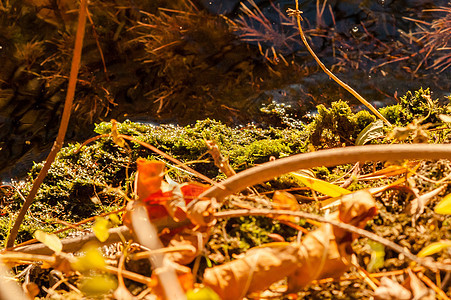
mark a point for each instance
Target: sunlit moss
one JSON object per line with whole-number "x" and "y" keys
{"x": 414, "y": 105}
{"x": 338, "y": 125}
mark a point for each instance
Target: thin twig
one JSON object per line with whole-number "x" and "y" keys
{"x": 63, "y": 126}
{"x": 267, "y": 212}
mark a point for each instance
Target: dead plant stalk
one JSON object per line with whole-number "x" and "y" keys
{"x": 63, "y": 126}
{"x": 297, "y": 13}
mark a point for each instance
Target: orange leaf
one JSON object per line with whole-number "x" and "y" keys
{"x": 285, "y": 200}
{"x": 148, "y": 178}
{"x": 192, "y": 190}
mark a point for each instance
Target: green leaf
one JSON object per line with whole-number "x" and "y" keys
{"x": 205, "y": 293}
{"x": 370, "y": 132}
{"x": 321, "y": 186}
{"x": 434, "y": 248}
{"x": 49, "y": 239}
{"x": 100, "y": 229}
{"x": 444, "y": 206}
{"x": 377, "y": 257}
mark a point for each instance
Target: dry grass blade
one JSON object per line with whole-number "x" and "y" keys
{"x": 437, "y": 39}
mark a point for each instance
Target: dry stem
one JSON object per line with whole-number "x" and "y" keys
{"x": 297, "y": 13}
{"x": 63, "y": 126}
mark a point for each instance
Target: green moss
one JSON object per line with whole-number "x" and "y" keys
{"x": 78, "y": 175}
{"x": 338, "y": 125}
{"x": 414, "y": 105}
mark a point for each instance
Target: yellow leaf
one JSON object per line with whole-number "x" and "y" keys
{"x": 114, "y": 219}
{"x": 434, "y": 248}
{"x": 321, "y": 186}
{"x": 377, "y": 257}
{"x": 49, "y": 239}
{"x": 204, "y": 293}
{"x": 100, "y": 229}
{"x": 444, "y": 206}
{"x": 92, "y": 259}
{"x": 98, "y": 285}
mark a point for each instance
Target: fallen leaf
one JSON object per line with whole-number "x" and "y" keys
{"x": 91, "y": 259}
{"x": 202, "y": 213}
{"x": 324, "y": 252}
{"x": 285, "y": 200}
{"x": 100, "y": 229}
{"x": 98, "y": 285}
{"x": 418, "y": 288}
{"x": 377, "y": 256}
{"x": 434, "y": 248}
{"x": 391, "y": 290}
{"x": 148, "y": 178}
{"x": 320, "y": 186}
{"x": 49, "y": 239}
{"x": 202, "y": 294}
{"x": 444, "y": 206}
{"x": 191, "y": 243}
{"x": 373, "y": 131}
{"x": 31, "y": 289}
{"x": 256, "y": 271}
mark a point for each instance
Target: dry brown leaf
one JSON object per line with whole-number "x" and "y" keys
{"x": 202, "y": 213}
{"x": 326, "y": 251}
{"x": 256, "y": 271}
{"x": 323, "y": 253}
{"x": 285, "y": 200}
{"x": 391, "y": 290}
{"x": 31, "y": 289}
{"x": 418, "y": 288}
{"x": 195, "y": 240}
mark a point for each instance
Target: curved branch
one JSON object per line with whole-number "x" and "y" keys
{"x": 327, "y": 158}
